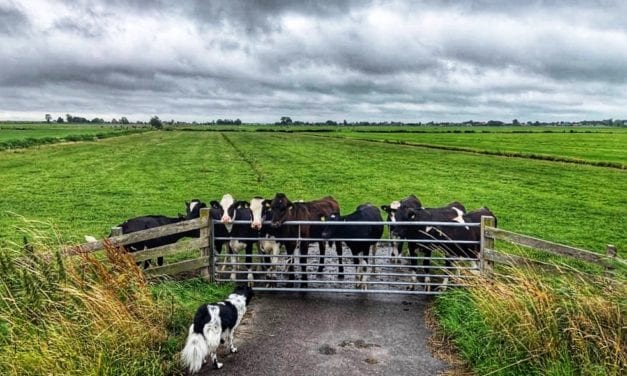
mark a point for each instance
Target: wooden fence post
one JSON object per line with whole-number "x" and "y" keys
{"x": 487, "y": 242}
{"x": 611, "y": 254}
{"x": 116, "y": 231}
{"x": 206, "y": 272}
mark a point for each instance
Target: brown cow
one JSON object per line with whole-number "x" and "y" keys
{"x": 285, "y": 210}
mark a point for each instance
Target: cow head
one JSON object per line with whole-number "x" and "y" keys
{"x": 280, "y": 207}
{"x": 409, "y": 210}
{"x": 220, "y": 210}
{"x": 193, "y": 207}
{"x": 261, "y": 212}
{"x": 329, "y": 231}
{"x": 235, "y": 210}
{"x": 391, "y": 210}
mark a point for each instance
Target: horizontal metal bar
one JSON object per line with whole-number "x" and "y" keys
{"x": 358, "y": 291}
{"x": 346, "y": 257}
{"x": 331, "y": 240}
{"x": 350, "y": 265}
{"x": 343, "y": 273}
{"x": 363, "y": 223}
{"x": 373, "y": 283}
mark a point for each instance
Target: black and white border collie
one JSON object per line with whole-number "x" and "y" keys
{"x": 214, "y": 324}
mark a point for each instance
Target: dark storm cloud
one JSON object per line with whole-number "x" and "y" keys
{"x": 12, "y": 20}
{"x": 359, "y": 60}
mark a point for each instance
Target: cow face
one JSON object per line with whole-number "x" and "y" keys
{"x": 260, "y": 209}
{"x": 280, "y": 207}
{"x": 391, "y": 210}
{"x": 329, "y": 231}
{"x": 406, "y": 213}
{"x": 220, "y": 210}
{"x": 234, "y": 211}
{"x": 193, "y": 207}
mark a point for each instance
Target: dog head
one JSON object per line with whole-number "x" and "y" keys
{"x": 245, "y": 291}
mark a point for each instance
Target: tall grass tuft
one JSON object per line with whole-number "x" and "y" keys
{"x": 78, "y": 315}
{"x": 528, "y": 321}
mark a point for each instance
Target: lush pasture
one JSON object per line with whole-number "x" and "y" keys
{"x": 597, "y": 146}
{"x": 86, "y": 188}
{"x": 23, "y": 131}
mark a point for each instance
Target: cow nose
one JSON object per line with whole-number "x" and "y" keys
{"x": 226, "y": 219}
{"x": 256, "y": 226}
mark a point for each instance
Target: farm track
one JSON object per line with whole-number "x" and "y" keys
{"x": 509, "y": 154}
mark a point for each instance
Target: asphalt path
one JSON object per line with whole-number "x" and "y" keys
{"x": 332, "y": 334}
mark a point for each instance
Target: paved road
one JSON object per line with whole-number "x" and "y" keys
{"x": 340, "y": 334}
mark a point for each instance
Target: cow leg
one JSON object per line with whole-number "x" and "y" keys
{"x": 322, "y": 246}
{"x": 426, "y": 263}
{"x": 399, "y": 252}
{"x": 444, "y": 285}
{"x": 364, "y": 277}
{"x": 289, "y": 248}
{"x": 249, "y": 260}
{"x": 338, "y": 251}
{"x": 304, "y": 251}
{"x": 357, "y": 263}
{"x": 414, "y": 264}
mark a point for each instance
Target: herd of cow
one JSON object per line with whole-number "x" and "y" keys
{"x": 240, "y": 224}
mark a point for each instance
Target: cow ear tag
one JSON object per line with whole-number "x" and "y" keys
{"x": 322, "y": 219}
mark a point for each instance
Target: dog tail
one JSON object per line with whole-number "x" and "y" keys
{"x": 195, "y": 351}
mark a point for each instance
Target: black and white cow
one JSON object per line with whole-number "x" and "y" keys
{"x": 466, "y": 233}
{"x": 411, "y": 212}
{"x": 151, "y": 221}
{"x": 366, "y": 213}
{"x": 268, "y": 248}
{"x": 219, "y": 211}
{"x": 397, "y": 250}
{"x": 240, "y": 211}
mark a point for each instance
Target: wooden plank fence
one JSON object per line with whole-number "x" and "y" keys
{"x": 488, "y": 253}
{"x": 201, "y": 262}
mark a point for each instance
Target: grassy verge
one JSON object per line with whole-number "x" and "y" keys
{"x": 528, "y": 322}
{"x": 22, "y": 143}
{"x": 83, "y": 315}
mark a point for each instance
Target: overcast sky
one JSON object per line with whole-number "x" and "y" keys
{"x": 314, "y": 60}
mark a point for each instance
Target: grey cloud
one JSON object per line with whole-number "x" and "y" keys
{"x": 12, "y": 20}
{"x": 434, "y": 61}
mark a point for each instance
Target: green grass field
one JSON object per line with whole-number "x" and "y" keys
{"x": 23, "y": 131}
{"x": 85, "y": 188}
{"x": 586, "y": 146}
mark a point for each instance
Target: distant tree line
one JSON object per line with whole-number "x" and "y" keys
{"x": 286, "y": 121}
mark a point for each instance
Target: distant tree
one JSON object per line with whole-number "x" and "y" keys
{"x": 97, "y": 120}
{"x": 286, "y": 120}
{"x": 68, "y": 117}
{"x": 48, "y": 118}
{"x": 330, "y": 122}
{"x": 60, "y": 120}
{"x": 237, "y": 122}
{"x": 124, "y": 120}
{"x": 155, "y": 122}
{"x": 515, "y": 122}
{"x": 114, "y": 121}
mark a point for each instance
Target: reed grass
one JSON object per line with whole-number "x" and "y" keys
{"x": 77, "y": 315}
{"x": 526, "y": 321}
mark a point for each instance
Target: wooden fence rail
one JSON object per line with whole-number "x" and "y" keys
{"x": 489, "y": 234}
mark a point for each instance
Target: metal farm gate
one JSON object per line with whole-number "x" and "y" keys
{"x": 384, "y": 273}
